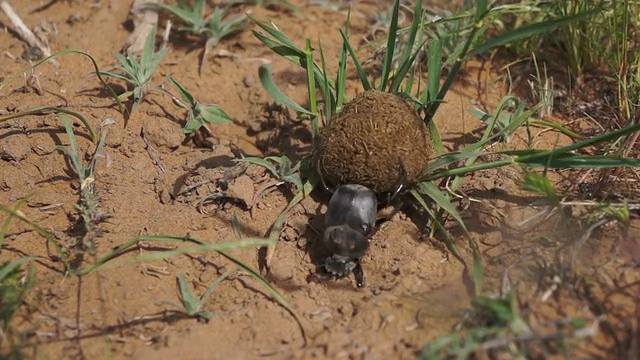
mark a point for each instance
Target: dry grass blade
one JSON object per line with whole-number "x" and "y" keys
{"x": 63, "y": 52}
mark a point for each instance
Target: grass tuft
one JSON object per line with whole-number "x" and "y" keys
{"x": 88, "y": 204}
{"x": 212, "y": 28}
{"x": 138, "y": 72}
{"x": 199, "y": 116}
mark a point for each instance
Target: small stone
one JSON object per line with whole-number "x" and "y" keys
{"x": 248, "y": 81}
{"x": 242, "y": 189}
{"x": 163, "y": 136}
{"x": 32, "y": 53}
{"x": 14, "y": 148}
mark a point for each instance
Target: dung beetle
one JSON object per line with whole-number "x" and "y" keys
{"x": 349, "y": 223}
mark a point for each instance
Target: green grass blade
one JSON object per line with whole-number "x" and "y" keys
{"x": 116, "y": 75}
{"x": 271, "y": 289}
{"x": 201, "y": 247}
{"x": 294, "y": 55}
{"x": 19, "y": 215}
{"x": 274, "y": 233}
{"x": 567, "y": 160}
{"x": 341, "y": 79}
{"x": 433, "y": 106}
{"x": 260, "y": 162}
{"x": 186, "y": 15}
{"x": 401, "y": 74}
{"x": 538, "y": 158}
{"x": 610, "y": 136}
{"x": 46, "y": 110}
{"x": 8, "y": 268}
{"x": 478, "y": 269}
{"x": 416, "y": 69}
{"x": 189, "y": 302}
{"x": 434, "y": 68}
{"x": 16, "y": 208}
{"x": 430, "y": 96}
{"x": 557, "y": 127}
{"x": 541, "y": 158}
{"x": 264, "y": 72}
{"x": 214, "y": 114}
{"x": 72, "y": 153}
{"x": 529, "y": 31}
{"x": 414, "y": 30}
{"x": 287, "y": 49}
{"x": 328, "y": 97}
{"x": 215, "y": 284}
{"x": 391, "y": 42}
{"x": 98, "y": 151}
{"x": 184, "y": 94}
{"x": 449, "y": 158}
{"x": 277, "y": 35}
{"x": 440, "y": 199}
{"x": 311, "y": 80}
{"x": 481, "y": 10}
{"x": 408, "y": 60}
{"x": 361, "y": 73}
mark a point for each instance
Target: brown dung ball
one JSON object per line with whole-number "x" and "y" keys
{"x": 375, "y": 141}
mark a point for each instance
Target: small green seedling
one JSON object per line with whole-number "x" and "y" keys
{"x": 541, "y": 185}
{"x": 15, "y": 286}
{"x": 138, "y": 73}
{"x": 213, "y": 28}
{"x": 493, "y": 323}
{"x": 88, "y": 204}
{"x": 198, "y": 114}
{"x": 280, "y": 167}
{"x": 190, "y": 304}
{"x": 217, "y": 28}
{"x": 510, "y": 115}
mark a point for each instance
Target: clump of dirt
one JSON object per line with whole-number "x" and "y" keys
{"x": 378, "y": 140}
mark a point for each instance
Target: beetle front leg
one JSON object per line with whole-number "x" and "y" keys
{"x": 358, "y": 273}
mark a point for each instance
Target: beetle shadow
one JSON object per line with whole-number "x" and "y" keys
{"x": 281, "y": 132}
{"x": 314, "y": 248}
{"x": 422, "y": 220}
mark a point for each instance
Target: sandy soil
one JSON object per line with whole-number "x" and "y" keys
{"x": 153, "y": 179}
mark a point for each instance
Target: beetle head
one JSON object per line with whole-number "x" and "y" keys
{"x": 339, "y": 265}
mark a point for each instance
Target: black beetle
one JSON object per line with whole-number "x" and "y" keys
{"x": 349, "y": 223}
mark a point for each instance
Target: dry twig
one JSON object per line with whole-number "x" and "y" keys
{"x": 23, "y": 30}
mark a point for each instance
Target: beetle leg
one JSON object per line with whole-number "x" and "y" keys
{"x": 358, "y": 273}
{"x": 402, "y": 183}
{"x": 383, "y": 219}
{"x": 324, "y": 184}
{"x": 398, "y": 190}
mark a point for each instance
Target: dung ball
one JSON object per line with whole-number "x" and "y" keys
{"x": 378, "y": 140}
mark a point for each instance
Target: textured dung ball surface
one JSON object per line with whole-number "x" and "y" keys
{"x": 371, "y": 141}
